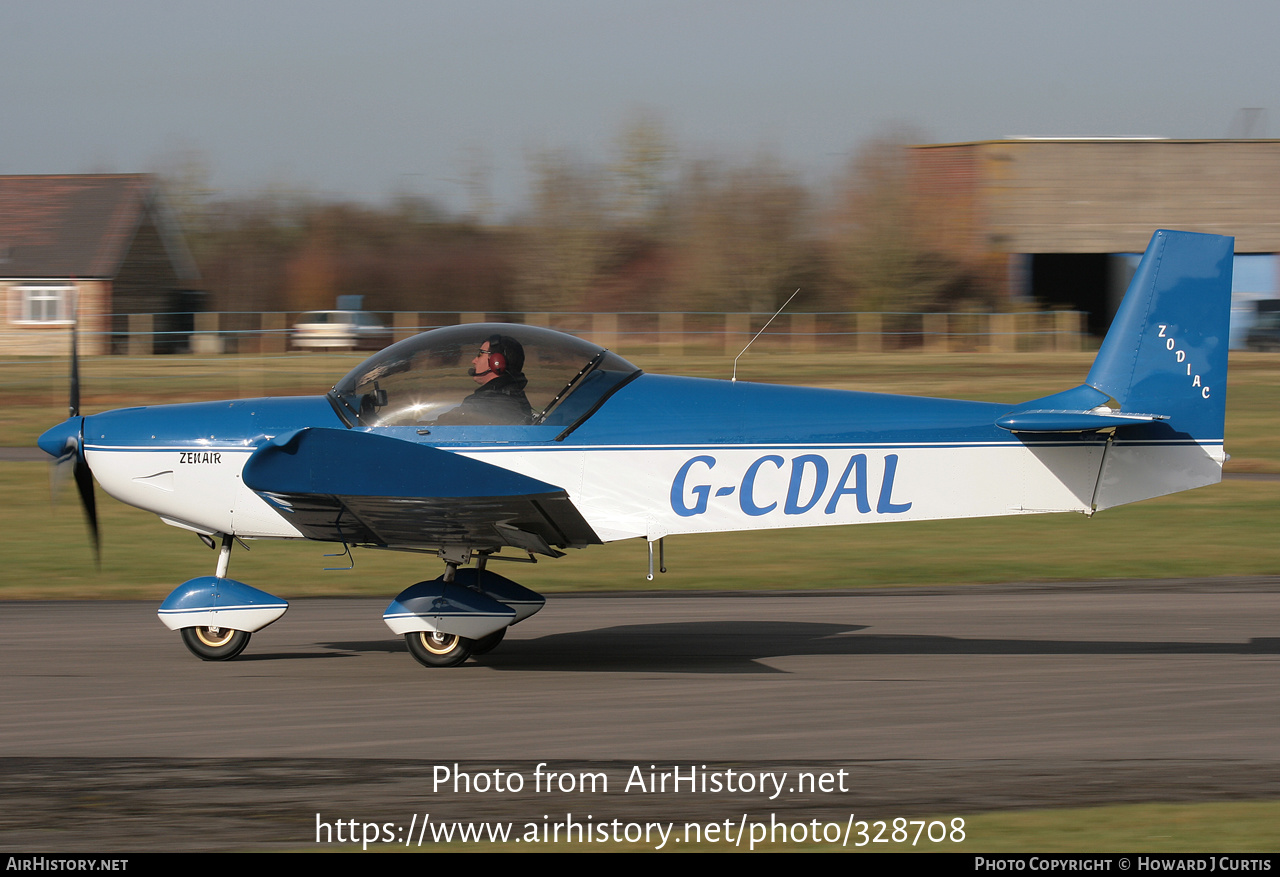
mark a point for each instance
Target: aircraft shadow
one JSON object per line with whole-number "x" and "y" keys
{"x": 248, "y": 656}
{"x": 739, "y": 646}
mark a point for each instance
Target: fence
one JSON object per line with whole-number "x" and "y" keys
{"x": 664, "y": 332}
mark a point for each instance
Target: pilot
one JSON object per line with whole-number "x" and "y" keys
{"x": 500, "y": 399}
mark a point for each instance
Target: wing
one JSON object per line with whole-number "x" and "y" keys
{"x": 367, "y": 489}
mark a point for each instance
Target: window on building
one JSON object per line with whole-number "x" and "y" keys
{"x": 44, "y": 303}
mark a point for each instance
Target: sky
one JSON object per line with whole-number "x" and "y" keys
{"x": 365, "y": 101}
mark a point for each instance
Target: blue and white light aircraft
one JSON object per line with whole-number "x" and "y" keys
{"x": 394, "y": 456}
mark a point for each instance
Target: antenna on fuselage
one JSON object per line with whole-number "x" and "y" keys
{"x": 761, "y": 332}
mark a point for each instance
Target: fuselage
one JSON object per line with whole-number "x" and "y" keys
{"x": 663, "y": 455}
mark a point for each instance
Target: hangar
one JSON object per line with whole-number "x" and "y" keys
{"x": 1066, "y": 218}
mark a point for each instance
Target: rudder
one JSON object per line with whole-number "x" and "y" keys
{"x": 1166, "y": 350}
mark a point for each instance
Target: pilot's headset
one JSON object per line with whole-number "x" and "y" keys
{"x": 497, "y": 355}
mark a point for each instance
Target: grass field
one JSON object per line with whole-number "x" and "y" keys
{"x": 1229, "y": 827}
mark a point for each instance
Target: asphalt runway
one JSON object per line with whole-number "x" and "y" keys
{"x": 928, "y": 701}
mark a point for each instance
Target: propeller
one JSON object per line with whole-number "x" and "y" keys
{"x": 73, "y": 404}
{"x": 66, "y": 442}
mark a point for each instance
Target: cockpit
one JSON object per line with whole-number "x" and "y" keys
{"x": 424, "y": 380}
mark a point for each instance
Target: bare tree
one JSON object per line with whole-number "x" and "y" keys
{"x": 184, "y": 176}
{"x": 565, "y": 239}
{"x": 743, "y": 234}
{"x": 880, "y": 249}
{"x": 641, "y": 172}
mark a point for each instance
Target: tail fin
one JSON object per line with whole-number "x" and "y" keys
{"x": 1164, "y": 361}
{"x": 1166, "y": 351}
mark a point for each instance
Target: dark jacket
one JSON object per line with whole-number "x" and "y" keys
{"x": 500, "y": 401}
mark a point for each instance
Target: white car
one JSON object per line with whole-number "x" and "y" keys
{"x": 339, "y": 330}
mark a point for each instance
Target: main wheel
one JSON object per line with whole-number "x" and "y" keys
{"x": 214, "y": 643}
{"x": 487, "y": 644}
{"x": 431, "y": 648}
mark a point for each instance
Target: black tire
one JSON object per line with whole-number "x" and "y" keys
{"x": 214, "y": 644}
{"x": 434, "y": 649}
{"x": 487, "y": 644}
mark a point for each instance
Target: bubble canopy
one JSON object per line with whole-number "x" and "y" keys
{"x": 416, "y": 381}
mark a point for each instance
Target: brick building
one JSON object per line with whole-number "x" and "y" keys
{"x": 98, "y": 246}
{"x": 1058, "y": 219}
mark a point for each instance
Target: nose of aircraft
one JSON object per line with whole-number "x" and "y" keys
{"x": 63, "y": 441}
{"x": 55, "y": 441}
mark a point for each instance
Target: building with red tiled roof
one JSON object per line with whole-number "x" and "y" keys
{"x": 97, "y": 247}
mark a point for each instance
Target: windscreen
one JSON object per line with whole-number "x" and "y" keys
{"x": 424, "y": 380}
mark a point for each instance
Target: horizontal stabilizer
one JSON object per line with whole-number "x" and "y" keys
{"x": 1047, "y": 421}
{"x": 1080, "y": 409}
